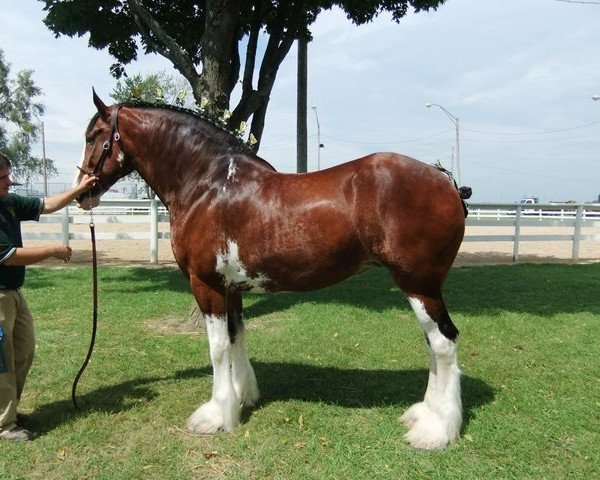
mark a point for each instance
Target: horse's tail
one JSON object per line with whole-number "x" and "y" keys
{"x": 464, "y": 192}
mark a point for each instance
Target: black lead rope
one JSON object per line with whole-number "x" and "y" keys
{"x": 94, "y": 315}
{"x": 106, "y": 151}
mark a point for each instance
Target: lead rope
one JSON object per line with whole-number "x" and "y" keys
{"x": 95, "y": 310}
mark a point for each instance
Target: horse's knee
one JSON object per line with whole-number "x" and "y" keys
{"x": 218, "y": 338}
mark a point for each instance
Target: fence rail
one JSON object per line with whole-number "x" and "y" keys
{"x": 574, "y": 219}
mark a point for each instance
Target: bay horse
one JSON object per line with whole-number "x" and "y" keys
{"x": 237, "y": 226}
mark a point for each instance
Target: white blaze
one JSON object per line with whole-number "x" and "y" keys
{"x": 78, "y": 172}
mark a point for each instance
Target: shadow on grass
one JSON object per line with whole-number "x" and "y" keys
{"x": 112, "y": 279}
{"x": 279, "y": 382}
{"x": 544, "y": 289}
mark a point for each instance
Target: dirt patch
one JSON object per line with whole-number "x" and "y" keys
{"x": 174, "y": 325}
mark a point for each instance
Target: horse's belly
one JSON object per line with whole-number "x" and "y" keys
{"x": 275, "y": 272}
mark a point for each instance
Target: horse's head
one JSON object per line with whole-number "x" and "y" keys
{"x": 103, "y": 154}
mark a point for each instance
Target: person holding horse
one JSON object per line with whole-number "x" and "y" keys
{"x": 17, "y": 341}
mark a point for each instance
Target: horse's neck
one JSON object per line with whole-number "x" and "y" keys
{"x": 180, "y": 162}
{"x": 179, "y": 176}
{"x": 164, "y": 174}
{"x": 164, "y": 156}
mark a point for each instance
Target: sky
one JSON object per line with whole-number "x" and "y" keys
{"x": 519, "y": 75}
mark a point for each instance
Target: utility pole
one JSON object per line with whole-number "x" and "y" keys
{"x": 301, "y": 127}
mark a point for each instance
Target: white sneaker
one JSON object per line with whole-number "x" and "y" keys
{"x": 18, "y": 434}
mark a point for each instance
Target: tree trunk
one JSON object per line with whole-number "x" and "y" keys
{"x": 218, "y": 53}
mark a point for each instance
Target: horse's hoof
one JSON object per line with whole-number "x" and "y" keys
{"x": 211, "y": 418}
{"x": 428, "y": 430}
{"x": 427, "y": 436}
{"x": 414, "y": 413}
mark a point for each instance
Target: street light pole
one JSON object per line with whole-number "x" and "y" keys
{"x": 319, "y": 144}
{"x": 44, "y": 161}
{"x": 456, "y": 122}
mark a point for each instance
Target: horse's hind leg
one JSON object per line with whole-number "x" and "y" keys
{"x": 436, "y": 421}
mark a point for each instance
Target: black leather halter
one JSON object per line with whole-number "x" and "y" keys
{"x": 107, "y": 145}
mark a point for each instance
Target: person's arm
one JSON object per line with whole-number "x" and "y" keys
{"x": 60, "y": 200}
{"x": 31, "y": 255}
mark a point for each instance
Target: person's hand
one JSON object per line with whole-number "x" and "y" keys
{"x": 87, "y": 182}
{"x": 63, "y": 252}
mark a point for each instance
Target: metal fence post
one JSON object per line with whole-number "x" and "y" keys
{"x": 153, "y": 231}
{"x": 517, "y": 238}
{"x": 577, "y": 232}
{"x": 64, "y": 221}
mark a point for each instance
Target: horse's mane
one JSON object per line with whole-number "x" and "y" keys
{"x": 229, "y": 138}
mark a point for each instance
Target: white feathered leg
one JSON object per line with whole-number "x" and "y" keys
{"x": 244, "y": 379}
{"x": 223, "y": 410}
{"x": 436, "y": 421}
{"x": 420, "y": 409}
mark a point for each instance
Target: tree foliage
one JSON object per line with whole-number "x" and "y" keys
{"x": 153, "y": 88}
{"x": 20, "y": 124}
{"x": 205, "y": 39}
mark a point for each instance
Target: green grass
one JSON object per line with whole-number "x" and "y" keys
{"x": 336, "y": 368}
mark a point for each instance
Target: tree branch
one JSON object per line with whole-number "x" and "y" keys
{"x": 252, "y": 47}
{"x": 166, "y": 45}
{"x": 281, "y": 38}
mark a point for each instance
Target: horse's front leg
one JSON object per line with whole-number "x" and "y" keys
{"x": 222, "y": 411}
{"x": 244, "y": 379}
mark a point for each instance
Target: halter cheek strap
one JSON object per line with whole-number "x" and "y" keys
{"x": 107, "y": 146}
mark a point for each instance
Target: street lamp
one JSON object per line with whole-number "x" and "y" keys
{"x": 320, "y": 145}
{"x": 45, "y": 163}
{"x": 456, "y": 126}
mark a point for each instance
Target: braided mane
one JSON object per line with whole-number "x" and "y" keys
{"x": 225, "y": 135}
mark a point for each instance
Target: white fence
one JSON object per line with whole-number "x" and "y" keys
{"x": 574, "y": 220}
{"x": 148, "y": 212}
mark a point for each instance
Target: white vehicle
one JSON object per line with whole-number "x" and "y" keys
{"x": 530, "y": 200}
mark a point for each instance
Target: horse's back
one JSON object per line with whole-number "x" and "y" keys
{"x": 400, "y": 211}
{"x": 401, "y": 187}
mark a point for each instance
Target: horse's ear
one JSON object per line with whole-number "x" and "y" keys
{"x": 102, "y": 109}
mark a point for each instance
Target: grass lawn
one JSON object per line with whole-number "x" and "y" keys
{"x": 336, "y": 369}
